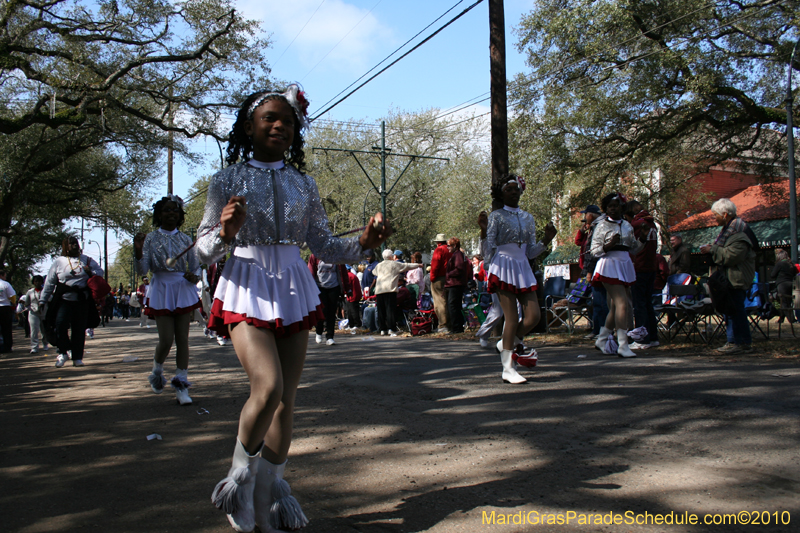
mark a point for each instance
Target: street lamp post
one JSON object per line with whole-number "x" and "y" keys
{"x": 99, "y": 252}
{"x": 790, "y": 135}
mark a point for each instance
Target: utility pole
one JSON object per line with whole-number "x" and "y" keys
{"x": 169, "y": 148}
{"x": 497, "y": 69}
{"x": 383, "y": 152}
{"x": 790, "y": 146}
{"x": 105, "y": 246}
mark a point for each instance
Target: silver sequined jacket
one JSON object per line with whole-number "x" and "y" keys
{"x": 507, "y": 227}
{"x": 159, "y": 246}
{"x": 283, "y": 207}
{"x": 605, "y": 230}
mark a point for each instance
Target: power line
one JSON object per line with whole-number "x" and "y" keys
{"x": 431, "y": 36}
{"x": 393, "y": 53}
{"x": 340, "y": 41}
{"x": 298, "y": 33}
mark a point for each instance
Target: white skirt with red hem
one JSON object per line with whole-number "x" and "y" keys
{"x": 614, "y": 268}
{"x": 269, "y": 287}
{"x": 510, "y": 270}
{"x": 170, "y": 294}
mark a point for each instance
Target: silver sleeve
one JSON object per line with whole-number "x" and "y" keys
{"x": 319, "y": 237}
{"x": 598, "y": 240}
{"x": 490, "y": 244}
{"x": 143, "y": 264}
{"x": 210, "y": 246}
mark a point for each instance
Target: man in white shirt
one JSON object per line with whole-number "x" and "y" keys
{"x": 8, "y": 297}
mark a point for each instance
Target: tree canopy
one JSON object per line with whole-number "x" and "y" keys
{"x": 94, "y": 92}
{"x": 619, "y": 87}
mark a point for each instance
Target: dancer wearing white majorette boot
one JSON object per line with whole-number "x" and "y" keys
{"x": 510, "y": 245}
{"x": 266, "y": 298}
{"x": 613, "y": 242}
{"x": 172, "y": 296}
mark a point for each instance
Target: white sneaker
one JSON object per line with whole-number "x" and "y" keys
{"x": 60, "y": 360}
{"x": 34, "y": 350}
{"x": 353, "y": 330}
{"x": 639, "y": 346}
{"x": 222, "y": 341}
{"x": 330, "y": 342}
{"x": 77, "y": 362}
{"x": 319, "y": 338}
{"x": 392, "y": 333}
{"x": 384, "y": 333}
{"x": 484, "y": 343}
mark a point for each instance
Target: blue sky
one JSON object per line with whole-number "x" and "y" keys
{"x": 328, "y": 44}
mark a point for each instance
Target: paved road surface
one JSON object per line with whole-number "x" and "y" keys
{"x": 404, "y": 435}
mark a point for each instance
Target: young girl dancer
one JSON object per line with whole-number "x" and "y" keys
{"x": 613, "y": 241}
{"x": 510, "y": 244}
{"x": 266, "y": 297}
{"x": 172, "y": 296}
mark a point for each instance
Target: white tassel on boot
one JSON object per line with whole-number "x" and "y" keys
{"x": 285, "y": 512}
{"x": 234, "y": 494}
{"x": 602, "y": 337}
{"x": 510, "y": 374}
{"x": 262, "y": 495}
{"x": 622, "y": 339}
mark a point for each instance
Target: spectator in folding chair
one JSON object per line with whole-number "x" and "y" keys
{"x": 734, "y": 253}
{"x": 784, "y": 273}
{"x": 680, "y": 260}
{"x": 645, "y": 265}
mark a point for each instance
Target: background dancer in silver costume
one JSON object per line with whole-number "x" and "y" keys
{"x": 172, "y": 296}
{"x": 510, "y": 245}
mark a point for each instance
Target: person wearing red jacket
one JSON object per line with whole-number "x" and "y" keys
{"x": 646, "y": 267}
{"x": 583, "y": 237}
{"x": 441, "y": 255}
{"x": 354, "y": 303}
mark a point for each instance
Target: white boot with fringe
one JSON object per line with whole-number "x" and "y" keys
{"x": 275, "y": 507}
{"x": 234, "y": 494}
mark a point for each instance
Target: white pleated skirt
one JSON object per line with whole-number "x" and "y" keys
{"x": 616, "y": 268}
{"x": 510, "y": 270}
{"x": 169, "y": 293}
{"x": 267, "y": 286}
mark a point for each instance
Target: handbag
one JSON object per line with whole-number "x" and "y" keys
{"x": 721, "y": 292}
{"x": 421, "y": 325}
{"x": 98, "y": 286}
{"x": 580, "y": 293}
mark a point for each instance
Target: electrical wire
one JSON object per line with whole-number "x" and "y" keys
{"x": 393, "y": 53}
{"x": 298, "y": 33}
{"x": 431, "y": 36}
{"x": 340, "y": 41}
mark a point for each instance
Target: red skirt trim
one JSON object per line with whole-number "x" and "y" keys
{"x": 152, "y": 313}
{"x": 221, "y": 319}
{"x": 598, "y": 280}
{"x": 496, "y": 284}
